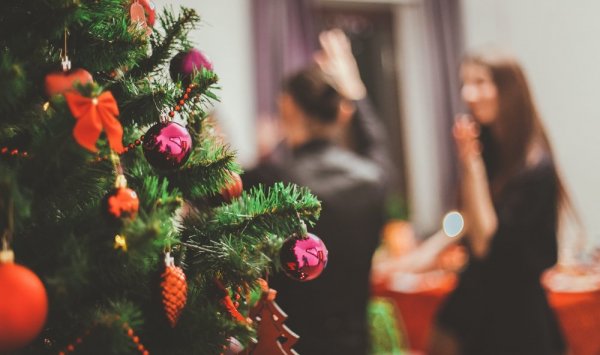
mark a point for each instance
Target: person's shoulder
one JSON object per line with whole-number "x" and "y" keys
{"x": 541, "y": 171}
{"x": 337, "y": 172}
{"x": 266, "y": 172}
{"x": 352, "y": 165}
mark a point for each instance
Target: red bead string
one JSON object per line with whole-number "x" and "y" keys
{"x": 227, "y": 302}
{"x": 71, "y": 347}
{"x": 128, "y": 147}
{"x": 135, "y": 339}
{"x": 129, "y": 331}
{"x": 178, "y": 107}
{"x": 182, "y": 100}
{"x": 5, "y": 151}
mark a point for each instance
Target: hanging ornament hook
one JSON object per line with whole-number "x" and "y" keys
{"x": 303, "y": 228}
{"x": 164, "y": 116}
{"x": 66, "y": 63}
{"x": 6, "y": 254}
{"x": 120, "y": 181}
{"x": 169, "y": 260}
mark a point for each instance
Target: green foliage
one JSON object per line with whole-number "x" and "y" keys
{"x": 387, "y": 337}
{"x": 13, "y": 83}
{"x": 172, "y": 39}
{"x": 61, "y": 229}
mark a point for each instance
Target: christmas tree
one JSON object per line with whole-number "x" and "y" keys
{"x": 117, "y": 194}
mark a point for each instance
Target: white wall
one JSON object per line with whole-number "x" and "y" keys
{"x": 558, "y": 43}
{"x": 423, "y": 163}
{"x": 225, "y": 36}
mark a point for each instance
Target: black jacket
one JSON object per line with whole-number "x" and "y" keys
{"x": 499, "y": 306}
{"x": 329, "y": 313}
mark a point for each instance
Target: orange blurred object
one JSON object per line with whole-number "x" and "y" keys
{"x": 398, "y": 238}
{"x": 418, "y": 307}
{"x": 577, "y": 304}
{"x": 454, "y": 258}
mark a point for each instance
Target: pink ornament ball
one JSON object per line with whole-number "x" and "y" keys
{"x": 303, "y": 258}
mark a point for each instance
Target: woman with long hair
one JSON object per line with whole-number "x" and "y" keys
{"x": 511, "y": 196}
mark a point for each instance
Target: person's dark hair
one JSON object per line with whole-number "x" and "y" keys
{"x": 315, "y": 96}
{"x": 519, "y": 127}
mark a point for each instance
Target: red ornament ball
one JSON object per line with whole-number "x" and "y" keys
{"x": 234, "y": 189}
{"x": 167, "y": 146}
{"x": 23, "y": 306}
{"x": 303, "y": 258}
{"x": 122, "y": 202}
{"x": 59, "y": 82}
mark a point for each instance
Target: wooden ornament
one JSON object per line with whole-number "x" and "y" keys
{"x": 274, "y": 338}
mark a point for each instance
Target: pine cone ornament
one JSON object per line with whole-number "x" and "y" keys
{"x": 174, "y": 290}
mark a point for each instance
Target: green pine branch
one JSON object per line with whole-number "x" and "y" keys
{"x": 12, "y": 83}
{"x": 164, "y": 42}
{"x": 143, "y": 102}
{"x": 61, "y": 230}
{"x": 239, "y": 241}
{"x": 277, "y": 210}
{"x": 207, "y": 170}
{"x": 106, "y": 39}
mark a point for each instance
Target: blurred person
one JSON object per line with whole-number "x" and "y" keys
{"x": 317, "y": 105}
{"x": 511, "y": 197}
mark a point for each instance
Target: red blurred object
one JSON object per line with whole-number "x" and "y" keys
{"x": 227, "y": 302}
{"x": 398, "y": 238}
{"x": 418, "y": 307}
{"x": 150, "y": 11}
{"x": 578, "y": 310}
{"x": 59, "y": 82}
{"x": 574, "y": 294}
{"x": 93, "y": 116}
{"x": 174, "y": 292}
{"x": 273, "y": 336}
{"x": 23, "y": 306}
{"x": 122, "y": 202}
{"x": 234, "y": 189}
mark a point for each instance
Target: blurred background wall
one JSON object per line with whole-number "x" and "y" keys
{"x": 225, "y": 36}
{"x": 557, "y": 41}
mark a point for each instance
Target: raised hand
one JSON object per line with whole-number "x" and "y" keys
{"x": 466, "y": 137}
{"x": 337, "y": 61}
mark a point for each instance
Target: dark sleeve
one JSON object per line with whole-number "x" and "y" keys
{"x": 527, "y": 222}
{"x": 268, "y": 171}
{"x": 370, "y": 136}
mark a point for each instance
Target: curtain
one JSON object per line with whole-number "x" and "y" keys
{"x": 446, "y": 42}
{"x": 284, "y": 42}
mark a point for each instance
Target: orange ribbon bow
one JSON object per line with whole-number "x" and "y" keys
{"x": 93, "y": 115}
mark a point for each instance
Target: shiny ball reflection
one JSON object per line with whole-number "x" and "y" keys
{"x": 453, "y": 224}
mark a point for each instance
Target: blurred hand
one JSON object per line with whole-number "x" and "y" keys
{"x": 466, "y": 137}
{"x": 269, "y": 135}
{"x": 337, "y": 61}
{"x": 418, "y": 260}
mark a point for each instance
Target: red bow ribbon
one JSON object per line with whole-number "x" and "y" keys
{"x": 93, "y": 115}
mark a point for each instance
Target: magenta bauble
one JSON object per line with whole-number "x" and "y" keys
{"x": 303, "y": 258}
{"x": 184, "y": 64}
{"x": 167, "y": 146}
